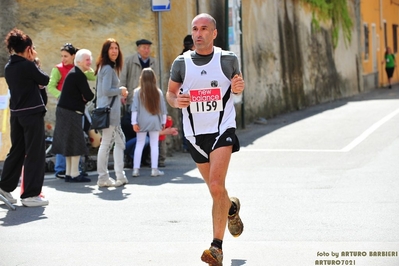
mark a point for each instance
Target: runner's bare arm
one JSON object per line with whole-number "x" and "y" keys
{"x": 237, "y": 84}
{"x": 173, "y": 96}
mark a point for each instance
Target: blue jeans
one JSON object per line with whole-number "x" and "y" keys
{"x": 60, "y": 163}
{"x": 131, "y": 145}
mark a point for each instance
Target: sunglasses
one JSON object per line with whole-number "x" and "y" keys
{"x": 68, "y": 47}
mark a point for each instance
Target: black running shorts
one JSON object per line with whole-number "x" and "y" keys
{"x": 206, "y": 143}
{"x": 389, "y": 71}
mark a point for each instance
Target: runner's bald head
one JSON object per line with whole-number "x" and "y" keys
{"x": 206, "y": 16}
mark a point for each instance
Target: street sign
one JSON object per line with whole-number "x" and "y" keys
{"x": 160, "y": 5}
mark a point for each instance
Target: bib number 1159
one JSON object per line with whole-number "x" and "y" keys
{"x": 206, "y": 100}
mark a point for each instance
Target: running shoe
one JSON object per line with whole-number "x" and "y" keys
{"x": 235, "y": 224}
{"x": 213, "y": 256}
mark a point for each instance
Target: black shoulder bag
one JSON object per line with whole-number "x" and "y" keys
{"x": 100, "y": 116}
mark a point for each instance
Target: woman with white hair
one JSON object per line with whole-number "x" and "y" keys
{"x": 68, "y": 138}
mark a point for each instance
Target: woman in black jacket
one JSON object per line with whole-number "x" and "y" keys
{"x": 68, "y": 137}
{"x": 27, "y": 107}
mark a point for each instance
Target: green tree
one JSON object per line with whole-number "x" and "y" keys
{"x": 335, "y": 11}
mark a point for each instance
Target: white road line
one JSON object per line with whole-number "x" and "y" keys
{"x": 348, "y": 147}
{"x": 288, "y": 150}
{"x": 369, "y": 131}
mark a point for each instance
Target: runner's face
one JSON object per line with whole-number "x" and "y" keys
{"x": 203, "y": 32}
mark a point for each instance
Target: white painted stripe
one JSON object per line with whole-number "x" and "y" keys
{"x": 288, "y": 150}
{"x": 369, "y": 131}
{"x": 347, "y": 148}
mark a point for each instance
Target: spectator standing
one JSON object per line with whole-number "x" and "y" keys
{"x": 148, "y": 116}
{"x": 131, "y": 139}
{"x": 108, "y": 67}
{"x": 69, "y": 137}
{"x": 134, "y": 64}
{"x": 27, "y": 154}
{"x": 188, "y": 45}
{"x": 57, "y": 77}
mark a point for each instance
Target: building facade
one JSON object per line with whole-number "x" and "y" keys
{"x": 380, "y": 20}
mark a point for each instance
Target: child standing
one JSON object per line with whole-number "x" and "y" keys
{"x": 148, "y": 115}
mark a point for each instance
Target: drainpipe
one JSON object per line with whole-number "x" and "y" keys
{"x": 160, "y": 62}
{"x": 380, "y": 14}
{"x": 227, "y": 45}
{"x": 242, "y": 70}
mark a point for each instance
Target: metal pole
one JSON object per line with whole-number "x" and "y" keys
{"x": 226, "y": 25}
{"x": 160, "y": 50}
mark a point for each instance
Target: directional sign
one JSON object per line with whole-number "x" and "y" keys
{"x": 160, "y": 5}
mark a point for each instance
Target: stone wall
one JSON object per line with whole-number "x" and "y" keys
{"x": 287, "y": 65}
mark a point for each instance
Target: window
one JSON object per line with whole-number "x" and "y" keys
{"x": 385, "y": 35}
{"x": 366, "y": 46}
{"x": 395, "y": 38}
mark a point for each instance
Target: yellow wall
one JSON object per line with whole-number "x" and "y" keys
{"x": 374, "y": 14}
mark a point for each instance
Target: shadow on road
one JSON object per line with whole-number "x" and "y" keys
{"x": 238, "y": 262}
{"x": 14, "y": 218}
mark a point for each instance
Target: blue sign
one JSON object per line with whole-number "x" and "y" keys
{"x": 160, "y": 5}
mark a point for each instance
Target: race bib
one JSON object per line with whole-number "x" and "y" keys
{"x": 206, "y": 100}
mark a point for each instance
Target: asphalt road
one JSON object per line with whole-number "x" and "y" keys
{"x": 317, "y": 186}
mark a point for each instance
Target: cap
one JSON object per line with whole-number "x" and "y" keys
{"x": 188, "y": 40}
{"x": 143, "y": 41}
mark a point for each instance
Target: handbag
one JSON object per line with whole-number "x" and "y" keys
{"x": 100, "y": 116}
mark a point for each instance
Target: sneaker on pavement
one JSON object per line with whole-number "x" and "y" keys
{"x": 8, "y": 196}
{"x": 34, "y": 201}
{"x": 110, "y": 182}
{"x": 235, "y": 224}
{"x": 79, "y": 179}
{"x": 156, "y": 172}
{"x": 135, "y": 172}
{"x": 67, "y": 178}
{"x": 60, "y": 174}
{"x": 213, "y": 256}
{"x": 121, "y": 181}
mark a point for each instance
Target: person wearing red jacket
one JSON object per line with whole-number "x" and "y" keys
{"x": 168, "y": 130}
